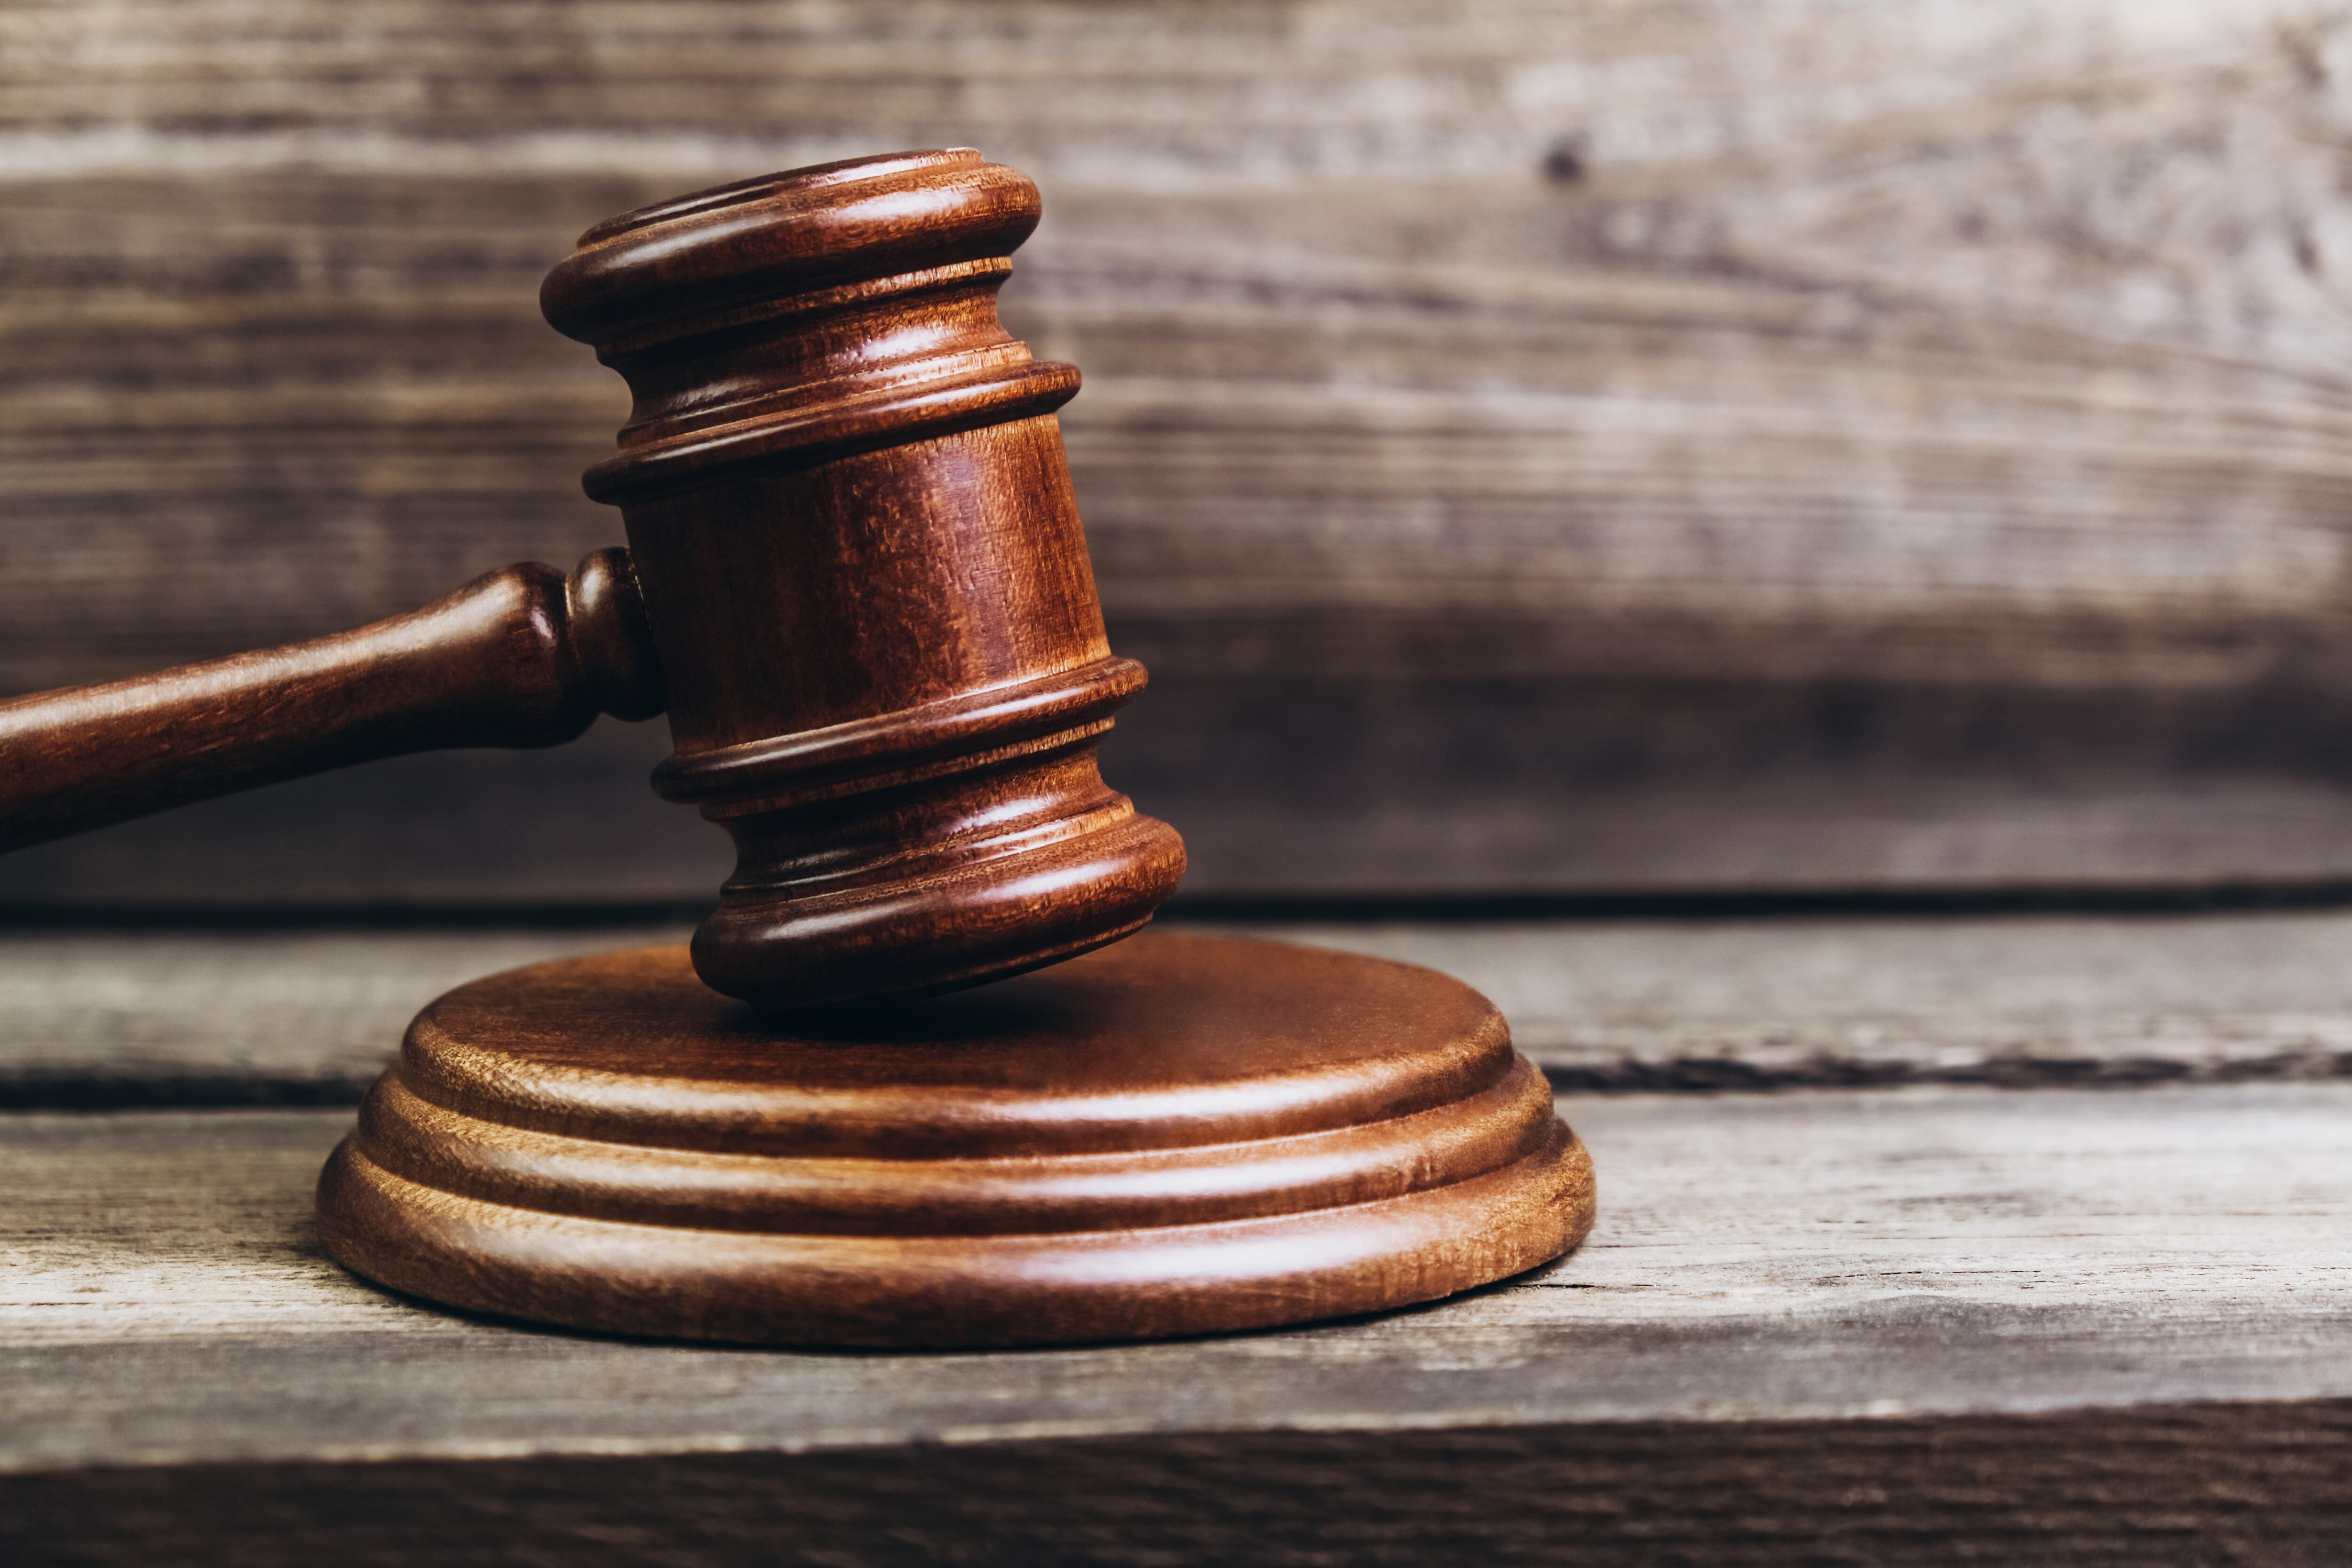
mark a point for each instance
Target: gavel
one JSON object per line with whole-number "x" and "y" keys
{"x": 855, "y": 577}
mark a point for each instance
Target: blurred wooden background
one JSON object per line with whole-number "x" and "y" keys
{"x": 1729, "y": 446}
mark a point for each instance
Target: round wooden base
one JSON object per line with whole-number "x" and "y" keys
{"x": 1171, "y": 1135}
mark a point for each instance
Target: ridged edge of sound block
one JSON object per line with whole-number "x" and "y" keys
{"x": 1103, "y": 1150}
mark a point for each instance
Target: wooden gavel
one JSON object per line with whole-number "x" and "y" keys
{"x": 855, "y": 576}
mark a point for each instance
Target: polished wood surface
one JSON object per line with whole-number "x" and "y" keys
{"x": 521, "y": 656}
{"x": 846, "y": 492}
{"x": 858, "y": 575}
{"x": 857, "y": 578}
{"x": 1169, "y": 1135}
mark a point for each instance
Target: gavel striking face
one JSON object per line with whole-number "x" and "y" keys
{"x": 855, "y": 567}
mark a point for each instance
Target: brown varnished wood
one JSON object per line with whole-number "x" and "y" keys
{"x": 847, "y": 496}
{"x": 519, "y": 657}
{"x": 1169, "y": 1135}
{"x": 857, "y": 572}
{"x": 857, "y": 575}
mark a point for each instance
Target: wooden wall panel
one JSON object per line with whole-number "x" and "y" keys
{"x": 1710, "y": 360}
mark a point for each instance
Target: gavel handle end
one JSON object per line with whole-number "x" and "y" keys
{"x": 519, "y": 657}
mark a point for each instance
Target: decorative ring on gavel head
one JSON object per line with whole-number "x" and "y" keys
{"x": 852, "y": 520}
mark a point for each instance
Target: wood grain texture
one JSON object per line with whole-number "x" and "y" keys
{"x": 477, "y": 831}
{"x": 1171, "y": 1135}
{"x": 1796, "y": 338}
{"x": 2192, "y": 1485}
{"x": 1901, "y": 369}
{"x": 2018, "y": 1001}
{"x": 865, "y": 604}
{"x": 101, "y": 1019}
{"x": 520, "y": 657}
{"x": 1805, "y": 1256}
{"x": 847, "y": 502}
{"x": 1380, "y": 789}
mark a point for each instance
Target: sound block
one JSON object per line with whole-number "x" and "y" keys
{"x": 1171, "y": 1135}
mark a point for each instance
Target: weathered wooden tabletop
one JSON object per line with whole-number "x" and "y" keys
{"x": 2039, "y": 1249}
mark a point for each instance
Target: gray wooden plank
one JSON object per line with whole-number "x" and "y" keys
{"x": 1777, "y": 445}
{"x": 1657, "y": 340}
{"x": 100, "y": 1018}
{"x": 1386, "y": 789}
{"x": 2150, "y": 1487}
{"x": 571, "y": 828}
{"x": 1810, "y": 1255}
{"x": 2020, "y": 1000}
{"x": 108, "y": 1018}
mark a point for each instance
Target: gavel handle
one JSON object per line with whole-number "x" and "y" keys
{"x": 520, "y": 657}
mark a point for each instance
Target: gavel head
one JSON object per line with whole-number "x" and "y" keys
{"x": 845, "y": 491}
